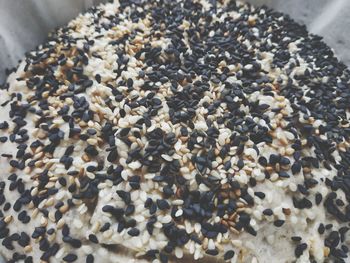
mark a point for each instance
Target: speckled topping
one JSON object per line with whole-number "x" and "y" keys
{"x": 168, "y": 130}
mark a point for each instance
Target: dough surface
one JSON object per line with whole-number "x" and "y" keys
{"x": 176, "y": 131}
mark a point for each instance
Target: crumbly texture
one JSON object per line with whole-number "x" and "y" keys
{"x": 176, "y": 130}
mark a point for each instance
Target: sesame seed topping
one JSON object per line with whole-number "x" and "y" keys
{"x": 176, "y": 128}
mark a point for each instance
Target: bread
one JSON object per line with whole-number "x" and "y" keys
{"x": 176, "y": 131}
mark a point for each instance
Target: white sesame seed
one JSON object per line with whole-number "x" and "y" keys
{"x": 211, "y": 244}
{"x": 134, "y": 165}
{"x": 178, "y": 213}
{"x": 178, "y": 252}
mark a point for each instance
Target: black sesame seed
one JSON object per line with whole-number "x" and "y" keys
{"x": 62, "y": 181}
{"x": 162, "y": 204}
{"x": 4, "y": 232}
{"x": 318, "y": 198}
{"x": 262, "y": 161}
{"x": 332, "y": 240}
{"x": 212, "y": 252}
{"x": 229, "y": 254}
{"x": 76, "y": 243}
{"x": 125, "y": 196}
{"x": 284, "y": 161}
{"x": 50, "y": 231}
{"x": 115, "y": 211}
{"x": 268, "y": 212}
{"x": 105, "y": 227}
{"x": 70, "y": 258}
{"x": 44, "y": 244}
{"x": 283, "y": 174}
{"x": 134, "y": 232}
{"x": 148, "y": 202}
{"x": 113, "y": 155}
{"x": 153, "y": 208}
{"x": 296, "y": 238}
{"x": 329, "y": 226}
{"x": 274, "y": 159}
{"x": 321, "y": 229}
{"x": 90, "y": 258}
{"x": 98, "y": 78}
{"x": 4, "y": 125}
{"x": 299, "y": 250}
{"x": 7, "y": 206}
{"x": 261, "y": 195}
{"x": 65, "y": 230}
{"x": 240, "y": 163}
{"x": 91, "y": 150}
{"x": 93, "y": 238}
{"x": 278, "y": 223}
{"x": 296, "y": 167}
{"x": 250, "y": 230}
{"x": 24, "y": 239}
{"x": 38, "y": 231}
{"x": 129, "y": 210}
{"x": 302, "y": 189}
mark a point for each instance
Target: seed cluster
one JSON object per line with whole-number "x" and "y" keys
{"x": 176, "y": 129}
